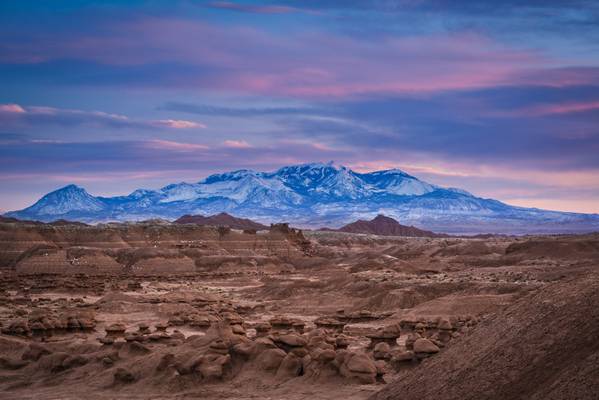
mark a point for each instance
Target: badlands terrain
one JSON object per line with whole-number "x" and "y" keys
{"x": 158, "y": 310}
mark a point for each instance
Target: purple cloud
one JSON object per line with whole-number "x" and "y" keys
{"x": 317, "y": 64}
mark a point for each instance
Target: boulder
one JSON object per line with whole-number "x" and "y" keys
{"x": 219, "y": 346}
{"x": 359, "y": 367}
{"x": 262, "y": 329}
{"x": 403, "y": 356}
{"x": 342, "y": 341}
{"x": 115, "y": 330}
{"x": 123, "y": 375}
{"x": 212, "y": 366}
{"x": 246, "y": 349}
{"x": 271, "y": 359}
{"x": 291, "y": 340}
{"x": 382, "y": 351}
{"x": 290, "y": 367}
{"x": 9, "y": 363}
{"x": 34, "y": 352}
{"x": 166, "y": 361}
{"x": 444, "y": 324}
{"x": 425, "y": 346}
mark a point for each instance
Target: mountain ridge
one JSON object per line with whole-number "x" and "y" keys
{"x": 221, "y": 219}
{"x": 312, "y": 195}
{"x": 384, "y": 226}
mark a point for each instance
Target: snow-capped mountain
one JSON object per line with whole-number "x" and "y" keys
{"x": 312, "y": 195}
{"x": 69, "y": 199}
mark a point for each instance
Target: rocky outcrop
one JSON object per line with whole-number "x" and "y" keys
{"x": 142, "y": 249}
{"x": 222, "y": 219}
{"x": 384, "y": 226}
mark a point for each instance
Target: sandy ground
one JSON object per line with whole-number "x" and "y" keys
{"x": 174, "y": 312}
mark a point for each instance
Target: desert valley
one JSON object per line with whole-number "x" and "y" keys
{"x": 223, "y": 307}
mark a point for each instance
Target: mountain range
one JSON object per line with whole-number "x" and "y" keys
{"x": 312, "y": 195}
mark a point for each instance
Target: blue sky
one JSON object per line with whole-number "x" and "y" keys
{"x": 499, "y": 98}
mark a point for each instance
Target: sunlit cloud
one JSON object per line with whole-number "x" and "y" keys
{"x": 11, "y": 108}
{"x": 370, "y": 166}
{"x": 237, "y": 144}
{"x": 178, "y": 124}
{"x": 43, "y": 115}
{"x": 175, "y": 146}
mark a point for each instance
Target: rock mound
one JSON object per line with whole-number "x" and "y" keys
{"x": 385, "y": 226}
{"x": 222, "y": 219}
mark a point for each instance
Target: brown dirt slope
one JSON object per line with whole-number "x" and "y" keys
{"x": 222, "y": 219}
{"x": 385, "y": 226}
{"x": 544, "y": 346}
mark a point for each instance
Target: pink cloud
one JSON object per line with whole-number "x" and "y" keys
{"x": 237, "y": 144}
{"x": 547, "y": 109}
{"x": 178, "y": 124}
{"x": 11, "y": 108}
{"x": 564, "y": 108}
{"x": 175, "y": 146}
{"x": 567, "y": 204}
{"x": 412, "y": 168}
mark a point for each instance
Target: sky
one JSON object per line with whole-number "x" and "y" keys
{"x": 500, "y": 98}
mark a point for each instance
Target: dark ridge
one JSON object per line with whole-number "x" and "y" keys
{"x": 58, "y": 222}
{"x": 384, "y": 226}
{"x": 222, "y": 219}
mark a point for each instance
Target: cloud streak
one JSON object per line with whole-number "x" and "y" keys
{"x": 253, "y": 9}
{"x": 237, "y": 144}
{"x": 177, "y": 124}
{"x": 16, "y": 115}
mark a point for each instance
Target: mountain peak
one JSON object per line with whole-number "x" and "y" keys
{"x": 71, "y": 188}
{"x": 68, "y": 199}
{"x": 228, "y": 176}
{"x": 307, "y": 167}
{"x": 383, "y": 218}
{"x": 392, "y": 171}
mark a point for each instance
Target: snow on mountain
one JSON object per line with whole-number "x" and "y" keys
{"x": 242, "y": 186}
{"x": 179, "y": 192}
{"x": 395, "y": 181}
{"x": 64, "y": 200}
{"x": 316, "y": 194}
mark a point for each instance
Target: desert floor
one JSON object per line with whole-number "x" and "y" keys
{"x": 159, "y": 311}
